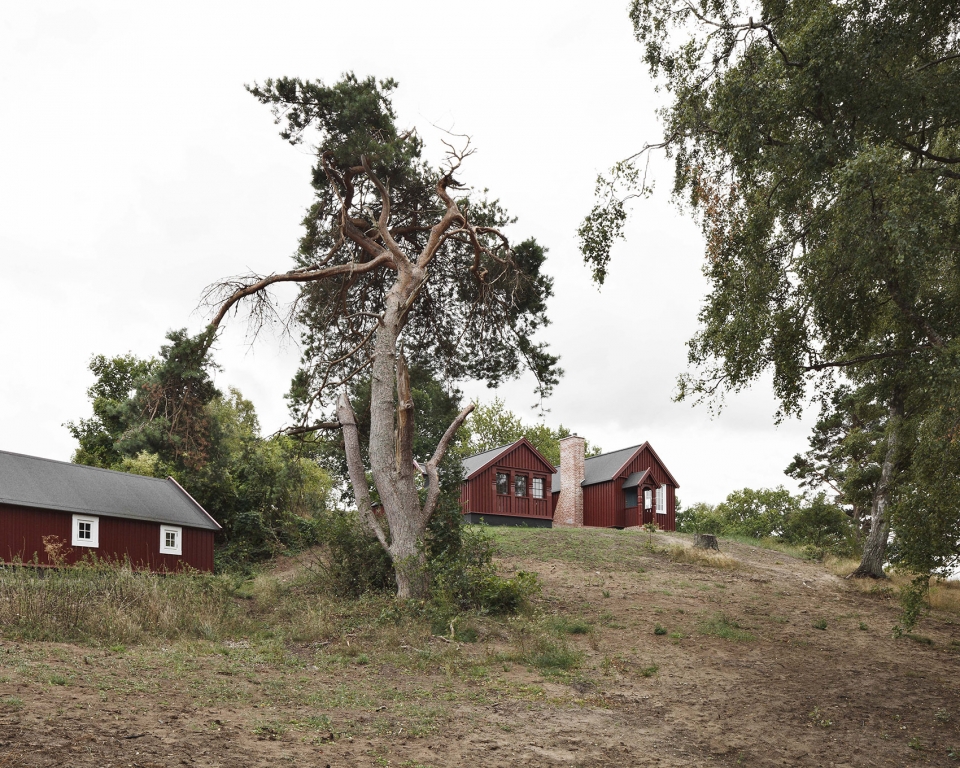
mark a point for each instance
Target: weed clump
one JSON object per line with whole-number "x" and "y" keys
{"x": 548, "y": 655}
{"x": 721, "y": 625}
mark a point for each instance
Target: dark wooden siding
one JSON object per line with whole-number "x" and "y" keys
{"x": 479, "y": 495}
{"x": 22, "y": 530}
{"x": 603, "y": 503}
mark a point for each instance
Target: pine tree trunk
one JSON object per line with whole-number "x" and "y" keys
{"x": 875, "y": 546}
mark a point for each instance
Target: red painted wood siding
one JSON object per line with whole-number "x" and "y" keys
{"x": 479, "y": 493}
{"x": 604, "y": 504}
{"x": 22, "y": 530}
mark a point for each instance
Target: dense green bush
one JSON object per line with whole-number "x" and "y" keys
{"x": 811, "y": 522}
{"x": 350, "y": 561}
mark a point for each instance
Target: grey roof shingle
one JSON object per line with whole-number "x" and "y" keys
{"x": 30, "y": 481}
{"x": 636, "y": 478}
{"x": 472, "y": 463}
{"x": 599, "y": 469}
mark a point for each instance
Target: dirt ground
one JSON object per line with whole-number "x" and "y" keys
{"x": 774, "y": 663}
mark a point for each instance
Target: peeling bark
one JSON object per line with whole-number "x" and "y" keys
{"x": 875, "y": 546}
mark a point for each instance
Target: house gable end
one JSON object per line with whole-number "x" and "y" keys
{"x": 501, "y": 456}
{"x": 635, "y": 464}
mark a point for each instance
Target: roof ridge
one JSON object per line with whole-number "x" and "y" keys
{"x": 610, "y": 453}
{"x": 82, "y": 466}
{"x": 488, "y": 450}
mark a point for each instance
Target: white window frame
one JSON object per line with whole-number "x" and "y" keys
{"x": 176, "y": 531}
{"x": 647, "y": 498}
{"x": 94, "y": 523}
{"x": 662, "y": 500}
{"x": 537, "y": 487}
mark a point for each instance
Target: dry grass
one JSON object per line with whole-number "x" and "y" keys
{"x": 692, "y": 556}
{"x": 840, "y": 566}
{"x": 943, "y": 595}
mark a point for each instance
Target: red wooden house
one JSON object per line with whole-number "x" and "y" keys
{"x": 509, "y": 485}
{"x": 154, "y": 524}
{"x": 620, "y": 489}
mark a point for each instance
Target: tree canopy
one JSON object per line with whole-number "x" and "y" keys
{"x": 818, "y": 143}
{"x": 493, "y": 424}
{"x": 399, "y": 267}
{"x": 164, "y": 416}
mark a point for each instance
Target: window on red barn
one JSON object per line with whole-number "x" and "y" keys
{"x": 520, "y": 485}
{"x": 538, "y": 487}
{"x": 503, "y": 483}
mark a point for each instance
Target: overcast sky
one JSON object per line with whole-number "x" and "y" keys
{"x": 136, "y": 170}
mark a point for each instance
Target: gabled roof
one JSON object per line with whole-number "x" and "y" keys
{"x": 480, "y": 461}
{"x": 640, "y": 478}
{"x": 30, "y": 481}
{"x": 606, "y": 466}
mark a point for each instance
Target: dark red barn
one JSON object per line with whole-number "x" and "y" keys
{"x": 621, "y": 489}
{"x": 153, "y": 523}
{"x": 509, "y": 485}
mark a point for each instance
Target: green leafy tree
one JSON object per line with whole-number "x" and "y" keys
{"x": 819, "y": 523}
{"x": 818, "y": 144}
{"x": 699, "y": 517}
{"x": 757, "y": 513}
{"x": 398, "y": 267}
{"x": 493, "y": 424}
{"x": 846, "y": 452}
{"x": 163, "y": 417}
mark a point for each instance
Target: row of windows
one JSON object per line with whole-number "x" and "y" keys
{"x": 86, "y": 533}
{"x": 520, "y": 489}
{"x": 519, "y": 485}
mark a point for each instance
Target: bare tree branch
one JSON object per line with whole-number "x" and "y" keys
{"x": 358, "y": 477}
{"x": 433, "y": 477}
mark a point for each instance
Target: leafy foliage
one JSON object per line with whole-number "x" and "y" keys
{"x": 817, "y": 142}
{"x": 493, "y": 424}
{"x": 806, "y": 521}
{"x": 165, "y": 417}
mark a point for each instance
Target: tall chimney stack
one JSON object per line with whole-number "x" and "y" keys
{"x": 569, "y": 510}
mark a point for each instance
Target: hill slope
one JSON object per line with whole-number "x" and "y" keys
{"x": 761, "y": 659}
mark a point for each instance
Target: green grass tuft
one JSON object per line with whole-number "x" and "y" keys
{"x": 721, "y": 625}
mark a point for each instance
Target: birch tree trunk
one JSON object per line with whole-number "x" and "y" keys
{"x": 875, "y": 546}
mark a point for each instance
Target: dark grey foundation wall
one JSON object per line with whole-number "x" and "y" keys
{"x": 525, "y": 522}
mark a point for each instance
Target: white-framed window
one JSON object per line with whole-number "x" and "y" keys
{"x": 662, "y": 500}
{"x": 520, "y": 485}
{"x": 86, "y": 531}
{"x": 648, "y": 499}
{"x": 171, "y": 540}
{"x": 538, "y": 487}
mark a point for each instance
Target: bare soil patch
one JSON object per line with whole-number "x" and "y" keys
{"x": 771, "y": 662}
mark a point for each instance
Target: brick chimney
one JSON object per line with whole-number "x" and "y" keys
{"x": 569, "y": 510}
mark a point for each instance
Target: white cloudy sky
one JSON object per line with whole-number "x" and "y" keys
{"x": 136, "y": 170}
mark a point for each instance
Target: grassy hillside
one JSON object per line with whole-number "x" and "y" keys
{"x": 638, "y": 651}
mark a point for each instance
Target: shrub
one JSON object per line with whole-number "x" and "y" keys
{"x": 350, "y": 561}
{"x": 464, "y": 577}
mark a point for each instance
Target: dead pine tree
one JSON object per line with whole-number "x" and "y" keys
{"x": 398, "y": 265}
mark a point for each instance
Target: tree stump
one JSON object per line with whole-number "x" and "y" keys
{"x": 705, "y": 541}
